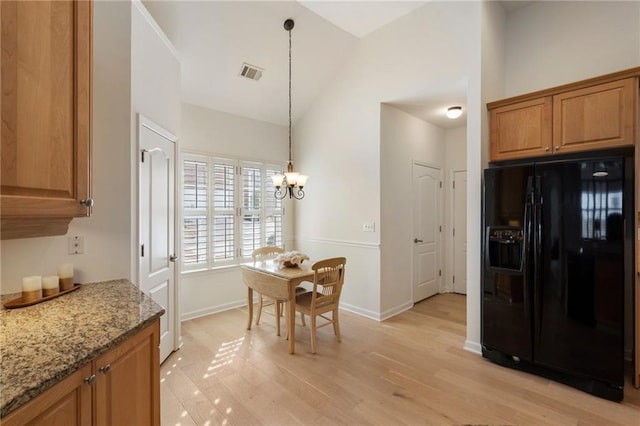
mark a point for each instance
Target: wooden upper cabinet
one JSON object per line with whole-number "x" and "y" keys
{"x": 46, "y": 113}
{"x": 595, "y": 117}
{"x": 598, "y": 113}
{"x": 521, "y": 130}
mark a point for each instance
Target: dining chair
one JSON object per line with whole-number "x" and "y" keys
{"x": 269, "y": 253}
{"x": 262, "y": 254}
{"x": 328, "y": 279}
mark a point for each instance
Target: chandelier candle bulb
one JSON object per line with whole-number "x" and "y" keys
{"x": 65, "y": 272}
{"x": 50, "y": 285}
{"x": 31, "y": 288}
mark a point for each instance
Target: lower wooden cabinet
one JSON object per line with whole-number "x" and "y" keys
{"x": 120, "y": 387}
{"x": 127, "y": 388}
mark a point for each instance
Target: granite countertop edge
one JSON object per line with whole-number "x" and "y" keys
{"x": 52, "y": 378}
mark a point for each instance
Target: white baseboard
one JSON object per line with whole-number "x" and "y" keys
{"x": 396, "y": 310}
{"x": 186, "y": 316}
{"x": 359, "y": 311}
{"x": 472, "y": 346}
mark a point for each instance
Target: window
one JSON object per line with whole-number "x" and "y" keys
{"x": 228, "y": 211}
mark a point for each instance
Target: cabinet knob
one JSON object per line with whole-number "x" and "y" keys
{"x": 415, "y": 240}
{"x": 173, "y": 258}
{"x": 557, "y": 148}
{"x": 105, "y": 369}
{"x": 87, "y": 203}
{"x": 90, "y": 380}
{"x": 546, "y": 148}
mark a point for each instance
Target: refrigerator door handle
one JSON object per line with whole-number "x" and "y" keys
{"x": 526, "y": 260}
{"x": 537, "y": 259}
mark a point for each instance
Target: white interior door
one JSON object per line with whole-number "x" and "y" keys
{"x": 157, "y": 265}
{"x": 427, "y": 228}
{"x": 460, "y": 232}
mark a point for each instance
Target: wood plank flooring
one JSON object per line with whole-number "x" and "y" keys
{"x": 408, "y": 370}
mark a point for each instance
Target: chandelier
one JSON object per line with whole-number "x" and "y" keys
{"x": 291, "y": 182}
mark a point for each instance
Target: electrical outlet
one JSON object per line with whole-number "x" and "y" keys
{"x": 368, "y": 227}
{"x": 76, "y": 244}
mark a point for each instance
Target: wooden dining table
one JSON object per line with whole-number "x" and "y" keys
{"x": 268, "y": 278}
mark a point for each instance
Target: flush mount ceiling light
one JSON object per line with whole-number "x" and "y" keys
{"x": 454, "y": 112}
{"x": 291, "y": 182}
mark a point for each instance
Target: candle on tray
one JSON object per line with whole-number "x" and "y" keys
{"x": 65, "y": 272}
{"x": 31, "y": 288}
{"x": 50, "y": 285}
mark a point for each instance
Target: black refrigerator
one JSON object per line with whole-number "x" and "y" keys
{"x": 555, "y": 269}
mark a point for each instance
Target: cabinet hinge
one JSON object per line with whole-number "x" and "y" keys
{"x": 454, "y": 279}
{"x": 440, "y": 228}
{"x": 142, "y": 250}
{"x": 142, "y": 155}
{"x": 454, "y": 232}
{"x": 454, "y": 184}
{"x": 440, "y": 184}
{"x": 439, "y": 272}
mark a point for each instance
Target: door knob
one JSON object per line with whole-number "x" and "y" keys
{"x": 415, "y": 240}
{"x": 87, "y": 203}
{"x": 173, "y": 258}
{"x": 90, "y": 380}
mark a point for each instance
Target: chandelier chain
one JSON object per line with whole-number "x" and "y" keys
{"x": 290, "y": 157}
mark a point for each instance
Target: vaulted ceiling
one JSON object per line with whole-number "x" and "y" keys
{"x": 215, "y": 38}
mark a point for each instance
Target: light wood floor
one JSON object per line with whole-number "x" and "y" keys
{"x": 408, "y": 370}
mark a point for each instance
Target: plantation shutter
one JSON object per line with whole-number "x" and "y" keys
{"x": 273, "y": 210}
{"x": 223, "y": 183}
{"x": 251, "y": 208}
{"x": 195, "y": 229}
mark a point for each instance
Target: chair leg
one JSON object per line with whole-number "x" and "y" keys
{"x": 313, "y": 334}
{"x": 302, "y": 319}
{"x": 259, "y": 310}
{"x": 336, "y": 324}
{"x": 277, "y": 308}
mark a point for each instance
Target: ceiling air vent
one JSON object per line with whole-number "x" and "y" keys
{"x": 251, "y": 72}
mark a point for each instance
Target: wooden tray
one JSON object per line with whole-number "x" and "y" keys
{"x": 18, "y": 303}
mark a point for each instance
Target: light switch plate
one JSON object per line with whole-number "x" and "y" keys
{"x": 368, "y": 227}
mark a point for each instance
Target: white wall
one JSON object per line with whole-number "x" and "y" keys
{"x": 403, "y": 139}
{"x": 338, "y": 139}
{"x": 133, "y": 71}
{"x": 155, "y": 93}
{"x": 107, "y": 232}
{"x": 209, "y": 132}
{"x": 550, "y": 43}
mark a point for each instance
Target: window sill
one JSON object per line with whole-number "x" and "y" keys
{"x": 207, "y": 271}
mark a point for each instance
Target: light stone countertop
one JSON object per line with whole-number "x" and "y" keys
{"x": 42, "y": 344}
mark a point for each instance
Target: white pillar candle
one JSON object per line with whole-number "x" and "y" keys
{"x": 33, "y": 283}
{"x": 31, "y": 288}
{"x": 50, "y": 285}
{"x": 65, "y": 270}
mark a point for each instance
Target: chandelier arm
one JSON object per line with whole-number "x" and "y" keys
{"x": 299, "y": 195}
{"x": 279, "y": 194}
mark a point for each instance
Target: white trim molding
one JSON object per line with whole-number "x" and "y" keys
{"x": 360, "y": 244}
{"x": 472, "y": 346}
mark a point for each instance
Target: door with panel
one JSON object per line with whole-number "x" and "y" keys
{"x": 460, "y": 232}
{"x": 157, "y": 266}
{"x": 427, "y": 229}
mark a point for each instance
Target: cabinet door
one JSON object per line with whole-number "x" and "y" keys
{"x": 521, "y": 130}
{"x": 46, "y": 108}
{"x": 66, "y": 404}
{"x": 596, "y": 117}
{"x": 127, "y": 390}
